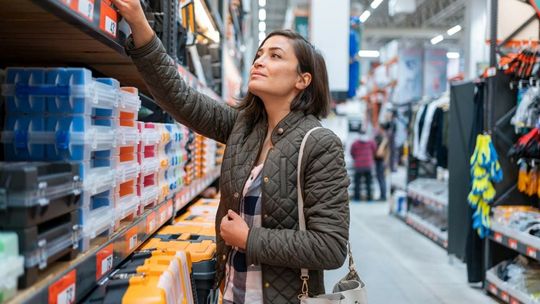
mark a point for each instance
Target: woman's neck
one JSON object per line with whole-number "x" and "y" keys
{"x": 276, "y": 110}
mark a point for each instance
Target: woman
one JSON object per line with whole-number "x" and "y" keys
{"x": 259, "y": 248}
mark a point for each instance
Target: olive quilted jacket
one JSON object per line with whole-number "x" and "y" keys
{"x": 278, "y": 245}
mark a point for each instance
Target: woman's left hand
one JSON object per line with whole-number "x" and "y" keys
{"x": 234, "y": 230}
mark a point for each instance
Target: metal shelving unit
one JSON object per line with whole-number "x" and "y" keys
{"x": 91, "y": 34}
{"x": 75, "y": 279}
{"x": 521, "y": 242}
{"x": 506, "y": 292}
{"x": 427, "y": 229}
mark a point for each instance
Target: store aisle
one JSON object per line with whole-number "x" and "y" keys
{"x": 400, "y": 265}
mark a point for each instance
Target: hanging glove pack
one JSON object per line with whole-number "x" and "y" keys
{"x": 485, "y": 170}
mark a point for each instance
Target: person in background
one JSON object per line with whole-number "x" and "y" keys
{"x": 381, "y": 157}
{"x": 363, "y": 153}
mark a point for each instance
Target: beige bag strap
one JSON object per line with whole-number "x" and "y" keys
{"x": 301, "y": 218}
{"x": 304, "y": 275}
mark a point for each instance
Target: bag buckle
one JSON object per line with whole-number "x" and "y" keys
{"x": 305, "y": 287}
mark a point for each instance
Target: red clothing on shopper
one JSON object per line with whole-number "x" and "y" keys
{"x": 363, "y": 153}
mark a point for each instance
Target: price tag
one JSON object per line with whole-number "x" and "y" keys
{"x": 493, "y": 289}
{"x": 498, "y": 237}
{"x": 104, "y": 261}
{"x": 513, "y": 243}
{"x": 63, "y": 291}
{"x": 131, "y": 239}
{"x": 162, "y": 214}
{"x": 492, "y": 72}
{"x": 108, "y": 19}
{"x": 150, "y": 222}
{"x": 531, "y": 252}
{"x": 505, "y": 297}
{"x": 169, "y": 209}
{"x": 86, "y": 8}
{"x": 514, "y": 301}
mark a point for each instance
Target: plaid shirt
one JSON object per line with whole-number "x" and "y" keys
{"x": 244, "y": 282}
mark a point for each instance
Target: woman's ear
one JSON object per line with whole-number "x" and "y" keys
{"x": 303, "y": 81}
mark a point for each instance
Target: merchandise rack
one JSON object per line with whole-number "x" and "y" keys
{"x": 505, "y": 292}
{"x": 75, "y": 279}
{"x": 84, "y": 32}
{"x": 427, "y": 229}
{"x": 519, "y": 241}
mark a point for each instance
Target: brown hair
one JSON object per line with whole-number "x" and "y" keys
{"x": 315, "y": 99}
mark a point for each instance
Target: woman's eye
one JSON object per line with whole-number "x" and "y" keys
{"x": 276, "y": 56}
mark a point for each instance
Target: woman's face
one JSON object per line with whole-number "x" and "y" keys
{"x": 274, "y": 71}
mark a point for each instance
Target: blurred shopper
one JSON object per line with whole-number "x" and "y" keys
{"x": 363, "y": 153}
{"x": 259, "y": 246}
{"x": 381, "y": 159}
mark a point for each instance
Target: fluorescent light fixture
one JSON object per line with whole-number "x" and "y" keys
{"x": 368, "y": 54}
{"x": 437, "y": 39}
{"x": 262, "y": 26}
{"x": 452, "y": 55}
{"x": 365, "y": 15}
{"x": 262, "y": 14}
{"x": 454, "y": 30}
{"x": 376, "y": 3}
{"x": 262, "y": 3}
{"x": 262, "y": 35}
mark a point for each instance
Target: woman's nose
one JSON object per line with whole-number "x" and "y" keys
{"x": 259, "y": 62}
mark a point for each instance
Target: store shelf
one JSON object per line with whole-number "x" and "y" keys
{"x": 427, "y": 229}
{"x": 521, "y": 242}
{"x": 75, "y": 279}
{"x": 424, "y": 195}
{"x": 506, "y": 292}
{"x": 71, "y": 33}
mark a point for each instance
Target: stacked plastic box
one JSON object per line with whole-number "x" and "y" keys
{"x": 189, "y": 167}
{"x": 39, "y": 202}
{"x": 220, "y": 152}
{"x": 126, "y": 200}
{"x": 65, "y": 114}
{"x": 11, "y": 265}
{"x": 148, "y": 189}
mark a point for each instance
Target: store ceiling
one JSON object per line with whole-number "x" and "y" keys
{"x": 432, "y": 17}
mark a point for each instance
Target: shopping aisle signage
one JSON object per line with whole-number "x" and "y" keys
{"x": 108, "y": 18}
{"x": 63, "y": 291}
{"x": 104, "y": 261}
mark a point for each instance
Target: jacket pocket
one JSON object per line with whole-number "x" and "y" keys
{"x": 283, "y": 177}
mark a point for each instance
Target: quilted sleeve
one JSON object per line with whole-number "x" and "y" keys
{"x": 189, "y": 107}
{"x": 324, "y": 243}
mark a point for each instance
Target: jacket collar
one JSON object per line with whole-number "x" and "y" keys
{"x": 287, "y": 124}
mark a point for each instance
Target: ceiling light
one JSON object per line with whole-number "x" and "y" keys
{"x": 368, "y": 54}
{"x": 454, "y": 30}
{"x": 262, "y": 14}
{"x": 437, "y": 39}
{"x": 262, "y": 3}
{"x": 365, "y": 15}
{"x": 262, "y": 35}
{"x": 262, "y": 26}
{"x": 376, "y": 3}
{"x": 452, "y": 55}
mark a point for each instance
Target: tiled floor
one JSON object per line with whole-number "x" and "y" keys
{"x": 401, "y": 266}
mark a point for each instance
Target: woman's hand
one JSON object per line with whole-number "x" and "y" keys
{"x": 132, "y": 11}
{"x": 234, "y": 230}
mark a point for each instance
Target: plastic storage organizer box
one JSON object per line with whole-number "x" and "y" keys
{"x": 11, "y": 265}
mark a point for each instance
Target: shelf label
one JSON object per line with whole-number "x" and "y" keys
{"x": 104, "y": 261}
{"x": 108, "y": 19}
{"x": 63, "y": 291}
{"x": 498, "y": 237}
{"x": 514, "y": 301}
{"x": 150, "y": 222}
{"x": 86, "y": 8}
{"x": 513, "y": 244}
{"x": 505, "y": 297}
{"x": 493, "y": 289}
{"x": 131, "y": 239}
{"x": 531, "y": 252}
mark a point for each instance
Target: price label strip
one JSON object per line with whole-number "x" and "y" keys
{"x": 63, "y": 291}
{"x": 150, "y": 223}
{"x": 108, "y": 19}
{"x": 104, "y": 261}
{"x": 131, "y": 239}
{"x": 86, "y": 8}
